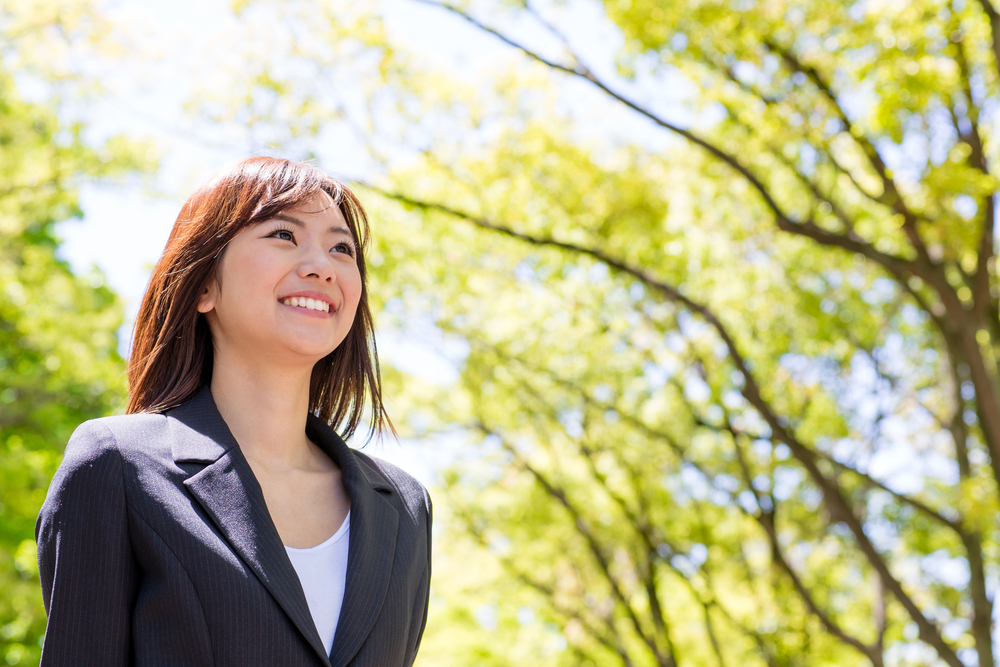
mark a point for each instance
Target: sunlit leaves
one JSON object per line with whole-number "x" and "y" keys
{"x": 623, "y": 415}
{"x": 59, "y": 363}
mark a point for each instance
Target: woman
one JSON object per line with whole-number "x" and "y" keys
{"x": 223, "y": 521}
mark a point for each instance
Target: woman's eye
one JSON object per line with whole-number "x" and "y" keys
{"x": 346, "y": 248}
{"x": 283, "y": 234}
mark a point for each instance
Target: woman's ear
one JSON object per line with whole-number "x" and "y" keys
{"x": 206, "y": 300}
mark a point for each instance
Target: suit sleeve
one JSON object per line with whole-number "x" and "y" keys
{"x": 424, "y": 597}
{"x": 85, "y": 561}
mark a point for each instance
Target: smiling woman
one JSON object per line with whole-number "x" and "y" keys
{"x": 225, "y": 509}
{"x": 256, "y": 193}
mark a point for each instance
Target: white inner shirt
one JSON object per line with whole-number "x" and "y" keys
{"x": 322, "y": 570}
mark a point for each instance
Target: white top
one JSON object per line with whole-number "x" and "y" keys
{"x": 322, "y": 570}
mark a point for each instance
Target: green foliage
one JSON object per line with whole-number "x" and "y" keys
{"x": 59, "y": 363}
{"x": 584, "y": 379}
{"x": 692, "y": 373}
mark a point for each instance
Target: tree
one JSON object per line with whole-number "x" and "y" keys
{"x": 697, "y": 412}
{"x": 712, "y": 420}
{"x": 59, "y": 364}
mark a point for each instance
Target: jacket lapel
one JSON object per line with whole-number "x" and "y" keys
{"x": 371, "y": 548}
{"x": 230, "y": 494}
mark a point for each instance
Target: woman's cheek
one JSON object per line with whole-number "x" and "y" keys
{"x": 356, "y": 287}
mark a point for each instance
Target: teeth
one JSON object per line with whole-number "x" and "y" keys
{"x": 311, "y": 304}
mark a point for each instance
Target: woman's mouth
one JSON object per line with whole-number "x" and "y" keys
{"x": 310, "y": 304}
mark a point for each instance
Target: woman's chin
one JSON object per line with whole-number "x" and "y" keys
{"x": 311, "y": 353}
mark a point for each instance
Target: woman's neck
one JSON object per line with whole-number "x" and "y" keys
{"x": 266, "y": 409}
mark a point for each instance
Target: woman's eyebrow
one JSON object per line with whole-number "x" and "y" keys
{"x": 299, "y": 223}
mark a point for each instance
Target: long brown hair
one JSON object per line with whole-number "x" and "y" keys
{"x": 172, "y": 346}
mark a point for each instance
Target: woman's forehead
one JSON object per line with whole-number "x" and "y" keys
{"x": 317, "y": 202}
{"x": 318, "y": 209}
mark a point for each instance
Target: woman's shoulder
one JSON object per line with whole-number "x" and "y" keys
{"x": 114, "y": 437}
{"x": 95, "y": 458}
{"x": 410, "y": 490}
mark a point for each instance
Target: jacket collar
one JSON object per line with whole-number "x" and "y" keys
{"x": 230, "y": 494}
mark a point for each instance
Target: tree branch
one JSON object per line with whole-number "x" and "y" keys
{"x": 578, "y": 70}
{"x": 609, "y": 640}
{"x": 898, "y": 266}
{"x": 823, "y": 149}
{"x": 768, "y": 522}
{"x": 888, "y": 183}
{"x": 901, "y": 497}
{"x": 585, "y": 531}
{"x": 751, "y": 391}
{"x": 985, "y": 306}
{"x": 765, "y": 518}
{"x": 994, "y": 17}
{"x": 640, "y": 523}
{"x": 808, "y": 182}
{"x": 828, "y": 622}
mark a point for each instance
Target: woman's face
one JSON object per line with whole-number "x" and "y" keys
{"x": 287, "y": 289}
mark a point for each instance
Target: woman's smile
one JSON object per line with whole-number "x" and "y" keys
{"x": 309, "y": 307}
{"x": 310, "y": 303}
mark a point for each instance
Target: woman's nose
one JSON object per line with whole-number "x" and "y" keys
{"x": 316, "y": 262}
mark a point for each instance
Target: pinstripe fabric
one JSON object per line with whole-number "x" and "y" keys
{"x": 155, "y": 548}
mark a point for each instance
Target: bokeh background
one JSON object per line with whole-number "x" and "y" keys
{"x": 688, "y": 310}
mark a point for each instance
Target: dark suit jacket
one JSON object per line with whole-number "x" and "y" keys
{"x": 155, "y": 547}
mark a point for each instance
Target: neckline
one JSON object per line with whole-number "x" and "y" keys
{"x": 330, "y": 541}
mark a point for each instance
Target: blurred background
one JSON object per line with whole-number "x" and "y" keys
{"x": 688, "y": 310}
